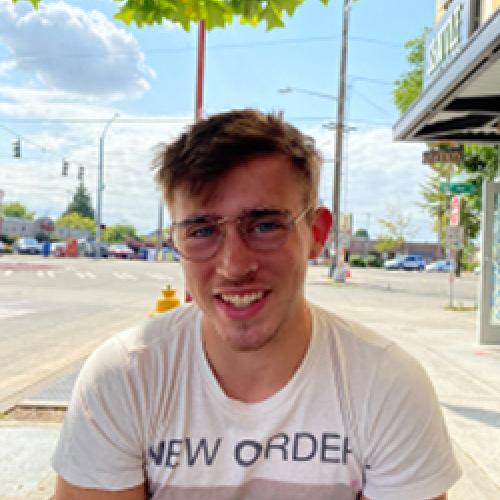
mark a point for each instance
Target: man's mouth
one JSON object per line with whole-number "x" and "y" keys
{"x": 241, "y": 300}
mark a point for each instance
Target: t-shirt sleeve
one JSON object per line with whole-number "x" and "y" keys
{"x": 100, "y": 445}
{"x": 408, "y": 449}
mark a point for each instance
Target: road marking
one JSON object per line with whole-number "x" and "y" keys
{"x": 12, "y": 310}
{"x": 162, "y": 277}
{"x": 8, "y": 272}
{"x": 91, "y": 275}
{"x": 51, "y": 274}
{"x": 80, "y": 275}
{"x": 124, "y": 276}
{"x": 40, "y": 274}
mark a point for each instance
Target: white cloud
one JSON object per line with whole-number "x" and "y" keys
{"x": 35, "y": 180}
{"x": 69, "y": 49}
{"x": 377, "y": 172}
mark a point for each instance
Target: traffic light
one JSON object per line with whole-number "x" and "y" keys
{"x": 81, "y": 172}
{"x": 16, "y": 148}
{"x": 65, "y": 168}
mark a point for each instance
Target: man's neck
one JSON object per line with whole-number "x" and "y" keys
{"x": 254, "y": 375}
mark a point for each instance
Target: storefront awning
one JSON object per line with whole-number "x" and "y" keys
{"x": 463, "y": 103}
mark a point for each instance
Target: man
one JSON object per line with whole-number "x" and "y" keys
{"x": 252, "y": 392}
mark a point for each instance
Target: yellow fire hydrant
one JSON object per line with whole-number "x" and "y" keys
{"x": 167, "y": 300}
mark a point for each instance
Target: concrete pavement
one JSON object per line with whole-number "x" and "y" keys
{"x": 466, "y": 377}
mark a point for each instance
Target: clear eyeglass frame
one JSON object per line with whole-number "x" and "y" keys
{"x": 205, "y": 250}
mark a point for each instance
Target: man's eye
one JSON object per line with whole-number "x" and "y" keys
{"x": 199, "y": 231}
{"x": 268, "y": 225}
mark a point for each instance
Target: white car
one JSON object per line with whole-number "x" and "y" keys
{"x": 120, "y": 251}
{"x": 440, "y": 266}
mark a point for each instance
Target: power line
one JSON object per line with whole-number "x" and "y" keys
{"x": 215, "y": 47}
{"x": 96, "y": 120}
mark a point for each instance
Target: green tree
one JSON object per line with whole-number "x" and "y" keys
{"x": 409, "y": 87}
{"x": 16, "y": 209}
{"x": 119, "y": 232}
{"x": 74, "y": 220}
{"x": 397, "y": 230}
{"x": 215, "y": 13}
{"x": 81, "y": 203}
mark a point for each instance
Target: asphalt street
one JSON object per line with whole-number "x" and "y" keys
{"x": 54, "y": 312}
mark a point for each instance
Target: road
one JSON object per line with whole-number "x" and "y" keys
{"x": 53, "y": 312}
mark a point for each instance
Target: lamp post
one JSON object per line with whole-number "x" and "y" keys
{"x": 100, "y": 186}
{"x": 339, "y": 128}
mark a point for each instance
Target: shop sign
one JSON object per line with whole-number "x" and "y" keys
{"x": 446, "y": 38}
{"x": 451, "y": 155}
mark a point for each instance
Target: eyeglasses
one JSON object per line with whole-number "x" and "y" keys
{"x": 262, "y": 230}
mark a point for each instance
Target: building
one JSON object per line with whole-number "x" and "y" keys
{"x": 460, "y": 103}
{"x": 25, "y": 228}
{"x": 365, "y": 246}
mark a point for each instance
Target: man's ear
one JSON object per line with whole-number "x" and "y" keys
{"x": 321, "y": 224}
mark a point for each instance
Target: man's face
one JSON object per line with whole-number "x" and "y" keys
{"x": 248, "y": 298}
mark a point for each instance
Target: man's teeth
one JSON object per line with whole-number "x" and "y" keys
{"x": 242, "y": 300}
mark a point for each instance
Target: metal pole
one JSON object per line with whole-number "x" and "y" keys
{"x": 160, "y": 229}
{"x": 200, "y": 69}
{"x": 100, "y": 175}
{"x": 100, "y": 187}
{"x": 339, "y": 132}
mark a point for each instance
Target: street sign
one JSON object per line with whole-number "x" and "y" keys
{"x": 457, "y": 188}
{"x": 451, "y": 155}
{"x": 455, "y": 211}
{"x": 455, "y": 237}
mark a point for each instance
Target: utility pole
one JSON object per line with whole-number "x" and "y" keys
{"x": 339, "y": 135}
{"x": 159, "y": 241}
{"x": 100, "y": 187}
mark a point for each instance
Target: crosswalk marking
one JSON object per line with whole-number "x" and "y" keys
{"x": 51, "y": 274}
{"x": 80, "y": 275}
{"x": 162, "y": 277}
{"x": 124, "y": 276}
{"x": 40, "y": 274}
{"x": 90, "y": 275}
{"x": 8, "y": 272}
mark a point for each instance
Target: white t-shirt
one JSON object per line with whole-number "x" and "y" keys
{"x": 359, "y": 413}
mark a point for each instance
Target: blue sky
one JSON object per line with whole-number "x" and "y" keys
{"x": 71, "y": 61}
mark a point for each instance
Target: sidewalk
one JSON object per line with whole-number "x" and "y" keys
{"x": 466, "y": 378}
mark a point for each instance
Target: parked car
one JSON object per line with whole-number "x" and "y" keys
{"x": 439, "y": 266}
{"x": 396, "y": 263}
{"x": 413, "y": 263}
{"x": 406, "y": 262}
{"x": 26, "y": 245}
{"x": 88, "y": 248}
{"x": 3, "y": 247}
{"x": 58, "y": 249}
{"x": 120, "y": 251}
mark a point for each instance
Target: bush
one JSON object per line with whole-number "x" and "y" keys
{"x": 373, "y": 261}
{"x": 357, "y": 261}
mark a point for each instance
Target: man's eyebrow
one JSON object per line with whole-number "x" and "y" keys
{"x": 197, "y": 219}
{"x": 259, "y": 212}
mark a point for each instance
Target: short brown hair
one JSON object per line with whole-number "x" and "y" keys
{"x": 213, "y": 146}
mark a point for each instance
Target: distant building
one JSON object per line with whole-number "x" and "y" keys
{"x": 365, "y": 246}
{"x": 25, "y": 228}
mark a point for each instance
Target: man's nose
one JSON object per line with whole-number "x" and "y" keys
{"x": 235, "y": 259}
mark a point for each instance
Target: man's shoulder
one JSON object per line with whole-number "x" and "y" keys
{"x": 162, "y": 329}
{"x": 160, "y": 337}
{"x": 348, "y": 333}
